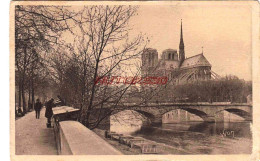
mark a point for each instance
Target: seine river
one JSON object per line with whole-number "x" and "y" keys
{"x": 189, "y": 137}
{"x": 202, "y": 138}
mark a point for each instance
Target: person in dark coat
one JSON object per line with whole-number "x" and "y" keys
{"x": 49, "y": 112}
{"x": 37, "y": 108}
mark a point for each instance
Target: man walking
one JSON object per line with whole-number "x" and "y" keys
{"x": 37, "y": 108}
{"x": 49, "y": 112}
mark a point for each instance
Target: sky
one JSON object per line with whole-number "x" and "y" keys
{"x": 223, "y": 31}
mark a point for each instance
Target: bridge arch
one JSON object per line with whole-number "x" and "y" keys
{"x": 148, "y": 116}
{"x": 239, "y": 112}
{"x": 196, "y": 112}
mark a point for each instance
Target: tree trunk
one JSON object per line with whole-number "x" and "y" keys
{"x": 33, "y": 99}
{"x": 23, "y": 78}
{"x": 29, "y": 99}
{"x": 23, "y": 98}
{"x": 20, "y": 94}
{"x": 92, "y": 94}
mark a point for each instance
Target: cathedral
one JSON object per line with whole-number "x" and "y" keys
{"x": 176, "y": 66}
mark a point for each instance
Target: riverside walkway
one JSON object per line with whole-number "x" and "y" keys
{"x": 32, "y": 137}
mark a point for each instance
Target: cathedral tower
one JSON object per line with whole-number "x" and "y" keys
{"x": 181, "y": 48}
{"x": 149, "y": 61}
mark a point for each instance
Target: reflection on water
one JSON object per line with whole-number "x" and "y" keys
{"x": 193, "y": 137}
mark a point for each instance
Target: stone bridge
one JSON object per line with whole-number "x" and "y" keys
{"x": 207, "y": 111}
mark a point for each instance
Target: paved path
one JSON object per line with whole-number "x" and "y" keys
{"x": 32, "y": 137}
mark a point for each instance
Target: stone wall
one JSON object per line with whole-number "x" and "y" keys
{"x": 76, "y": 139}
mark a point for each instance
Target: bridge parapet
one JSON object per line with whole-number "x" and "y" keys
{"x": 214, "y": 104}
{"x": 126, "y": 104}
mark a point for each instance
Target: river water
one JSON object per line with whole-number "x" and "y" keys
{"x": 202, "y": 138}
{"x": 190, "y": 137}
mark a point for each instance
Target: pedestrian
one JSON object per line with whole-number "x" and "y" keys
{"x": 37, "y": 108}
{"x": 49, "y": 112}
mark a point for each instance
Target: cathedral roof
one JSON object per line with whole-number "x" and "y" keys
{"x": 195, "y": 61}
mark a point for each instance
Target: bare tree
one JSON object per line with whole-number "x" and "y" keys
{"x": 37, "y": 29}
{"x": 102, "y": 47}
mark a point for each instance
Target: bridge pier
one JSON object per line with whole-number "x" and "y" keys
{"x": 157, "y": 120}
{"x": 210, "y": 119}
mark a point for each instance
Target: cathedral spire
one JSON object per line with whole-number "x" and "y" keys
{"x": 181, "y": 47}
{"x": 181, "y": 39}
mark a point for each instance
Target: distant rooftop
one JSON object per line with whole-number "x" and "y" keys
{"x": 196, "y": 60}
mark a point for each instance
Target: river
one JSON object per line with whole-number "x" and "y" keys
{"x": 191, "y": 137}
{"x": 202, "y": 138}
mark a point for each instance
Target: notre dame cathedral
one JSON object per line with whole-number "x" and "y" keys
{"x": 176, "y": 66}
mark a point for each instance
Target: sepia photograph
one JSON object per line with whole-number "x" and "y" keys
{"x": 132, "y": 78}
